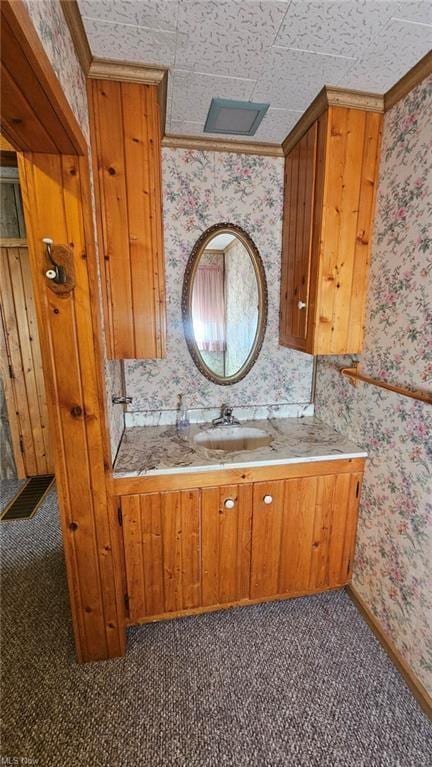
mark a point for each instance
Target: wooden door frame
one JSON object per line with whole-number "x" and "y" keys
{"x": 57, "y": 200}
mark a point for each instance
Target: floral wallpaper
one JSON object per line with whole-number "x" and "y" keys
{"x": 394, "y": 552}
{"x": 241, "y": 306}
{"x": 202, "y": 188}
{"x": 50, "y": 24}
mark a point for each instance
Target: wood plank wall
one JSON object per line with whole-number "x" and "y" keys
{"x": 57, "y": 204}
{"x": 22, "y": 365}
{"x": 344, "y": 238}
{"x": 127, "y": 158}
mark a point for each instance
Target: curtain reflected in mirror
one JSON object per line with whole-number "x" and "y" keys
{"x": 225, "y": 304}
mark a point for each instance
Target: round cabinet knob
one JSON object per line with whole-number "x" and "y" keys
{"x": 229, "y": 503}
{"x": 301, "y": 305}
{"x": 50, "y": 274}
{"x": 268, "y": 499}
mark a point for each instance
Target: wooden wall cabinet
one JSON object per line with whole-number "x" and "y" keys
{"x": 330, "y": 179}
{"x": 125, "y": 137}
{"x": 196, "y": 550}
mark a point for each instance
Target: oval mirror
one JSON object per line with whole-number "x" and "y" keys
{"x": 224, "y": 303}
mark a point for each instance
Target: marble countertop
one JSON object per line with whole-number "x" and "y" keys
{"x": 153, "y": 450}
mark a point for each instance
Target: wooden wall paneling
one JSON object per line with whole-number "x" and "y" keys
{"x": 101, "y": 226}
{"x": 14, "y": 103}
{"x": 28, "y": 339}
{"x": 317, "y": 246}
{"x": 126, "y": 136}
{"x": 285, "y": 263}
{"x": 342, "y": 253}
{"x": 297, "y": 534}
{"x": 10, "y": 399}
{"x": 331, "y": 217}
{"x": 351, "y": 527}
{"x": 364, "y": 228}
{"x": 226, "y": 544}
{"x": 133, "y": 547}
{"x": 156, "y": 222}
{"x": 162, "y": 539}
{"x": 19, "y": 66}
{"x": 344, "y": 269}
{"x": 142, "y": 163}
{"x": 319, "y": 572}
{"x": 36, "y": 355}
{"x": 109, "y": 154}
{"x": 191, "y": 548}
{"x": 21, "y": 399}
{"x": 305, "y": 263}
{"x": 152, "y": 554}
{"x": 159, "y": 483}
{"x": 56, "y": 199}
{"x": 266, "y": 538}
{"x": 297, "y": 255}
{"x": 35, "y": 114}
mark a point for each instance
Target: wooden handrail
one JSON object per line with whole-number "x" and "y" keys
{"x": 353, "y": 375}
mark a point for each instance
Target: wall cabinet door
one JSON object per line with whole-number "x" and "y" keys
{"x": 303, "y": 534}
{"x": 226, "y": 536}
{"x": 162, "y": 540}
{"x": 330, "y": 179}
{"x": 125, "y": 135}
{"x": 299, "y": 191}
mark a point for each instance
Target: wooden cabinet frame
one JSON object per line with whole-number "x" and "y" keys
{"x": 54, "y": 173}
{"x": 331, "y": 173}
{"x": 187, "y": 551}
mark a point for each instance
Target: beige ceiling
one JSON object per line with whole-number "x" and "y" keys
{"x": 277, "y": 51}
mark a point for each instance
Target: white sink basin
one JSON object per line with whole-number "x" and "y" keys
{"x": 233, "y": 438}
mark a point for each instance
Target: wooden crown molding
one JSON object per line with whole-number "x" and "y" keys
{"x": 102, "y": 68}
{"x": 127, "y": 71}
{"x": 111, "y": 69}
{"x": 416, "y": 74}
{"x": 418, "y": 690}
{"x": 76, "y": 28}
{"x": 207, "y": 144}
{"x": 332, "y": 96}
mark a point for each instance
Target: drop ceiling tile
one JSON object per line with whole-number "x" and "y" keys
{"x": 419, "y": 11}
{"x": 119, "y": 41}
{"x": 227, "y": 37}
{"x": 159, "y": 14}
{"x": 291, "y": 79}
{"x": 274, "y": 128}
{"x": 193, "y": 92}
{"x": 192, "y": 128}
{"x": 344, "y": 27}
{"x": 401, "y": 46}
{"x": 276, "y": 125}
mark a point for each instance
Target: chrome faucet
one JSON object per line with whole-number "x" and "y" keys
{"x": 226, "y": 417}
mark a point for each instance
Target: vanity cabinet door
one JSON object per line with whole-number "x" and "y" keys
{"x": 297, "y": 240}
{"x": 303, "y": 534}
{"x": 162, "y": 552}
{"x": 226, "y": 538}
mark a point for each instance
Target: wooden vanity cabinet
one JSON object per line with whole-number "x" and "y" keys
{"x": 189, "y": 551}
{"x": 329, "y": 190}
{"x": 125, "y": 140}
{"x": 303, "y": 537}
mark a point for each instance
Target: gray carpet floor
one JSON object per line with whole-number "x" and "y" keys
{"x": 298, "y": 683}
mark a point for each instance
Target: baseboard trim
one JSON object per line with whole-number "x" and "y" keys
{"x": 420, "y": 693}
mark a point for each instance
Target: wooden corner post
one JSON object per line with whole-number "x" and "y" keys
{"x": 54, "y": 172}
{"x": 57, "y": 204}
